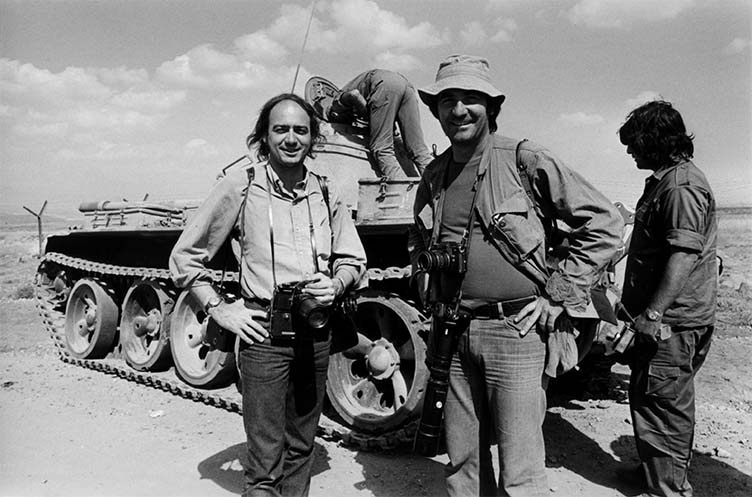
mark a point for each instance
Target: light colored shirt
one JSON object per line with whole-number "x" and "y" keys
{"x": 339, "y": 250}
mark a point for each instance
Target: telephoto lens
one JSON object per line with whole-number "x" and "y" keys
{"x": 445, "y": 329}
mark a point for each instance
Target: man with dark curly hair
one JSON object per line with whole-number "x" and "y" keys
{"x": 285, "y": 228}
{"x": 670, "y": 289}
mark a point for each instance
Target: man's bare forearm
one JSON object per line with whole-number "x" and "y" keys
{"x": 678, "y": 267}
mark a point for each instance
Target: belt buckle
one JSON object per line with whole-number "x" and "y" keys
{"x": 497, "y": 311}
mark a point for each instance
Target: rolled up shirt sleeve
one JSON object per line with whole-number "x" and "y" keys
{"x": 206, "y": 232}
{"x": 685, "y": 217}
{"x": 348, "y": 253}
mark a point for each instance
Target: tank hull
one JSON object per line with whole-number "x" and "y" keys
{"x": 106, "y": 298}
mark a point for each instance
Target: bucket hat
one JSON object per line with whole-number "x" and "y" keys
{"x": 464, "y": 72}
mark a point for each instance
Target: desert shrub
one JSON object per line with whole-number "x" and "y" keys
{"x": 25, "y": 291}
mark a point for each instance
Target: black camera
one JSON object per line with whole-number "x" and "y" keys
{"x": 450, "y": 257}
{"x": 293, "y": 309}
{"x": 446, "y": 327}
{"x": 624, "y": 339}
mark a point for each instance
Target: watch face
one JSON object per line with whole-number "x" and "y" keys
{"x": 653, "y": 315}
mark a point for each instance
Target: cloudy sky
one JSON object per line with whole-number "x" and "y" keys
{"x": 114, "y": 99}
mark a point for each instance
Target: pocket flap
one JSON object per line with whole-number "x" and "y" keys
{"x": 516, "y": 204}
{"x": 662, "y": 382}
{"x": 663, "y": 372}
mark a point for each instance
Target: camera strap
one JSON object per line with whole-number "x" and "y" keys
{"x": 311, "y": 230}
{"x": 251, "y": 174}
{"x": 435, "y": 232}
{"x": 466, "y": 234}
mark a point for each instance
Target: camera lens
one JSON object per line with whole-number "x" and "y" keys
{"x": 316, "y": 316}
{"x": 432, "y": 260}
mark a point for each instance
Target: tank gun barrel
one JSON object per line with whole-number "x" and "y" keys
{"x": 166, "y": 206}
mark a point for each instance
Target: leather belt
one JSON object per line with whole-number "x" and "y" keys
{"x": 500, "y": 310}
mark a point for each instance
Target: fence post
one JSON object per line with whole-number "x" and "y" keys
{"x": 39, "y": 223}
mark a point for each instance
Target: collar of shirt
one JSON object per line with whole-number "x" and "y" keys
{"x": 662, "y": 172}
{"x": 300, "y": 190}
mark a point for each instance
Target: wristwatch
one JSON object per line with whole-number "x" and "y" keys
{"x": 653, "y": 315}
{"x": 211, "y": 303}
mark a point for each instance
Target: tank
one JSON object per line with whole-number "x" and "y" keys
{"x": 106, "y": 298}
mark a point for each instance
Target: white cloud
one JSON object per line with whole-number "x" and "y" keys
{"x": 737, "y": 45}
{"x": 201, "y": 147}
{"x": 195, "y": 143}
{"x": 396, "y": 62}
{"x": 110, "y": 119}
{"x": 204, "y": 67}
{"x": 473, "y": 34}
{"x": 623, "y": 14}
{"x": 259, "y": 46}
{"x": 149, "y": 100}
{"x": 101, "y": 150}
{"x": 121, "y": 76}
{"x": 261, "y": 60}
{"x": 24, "y": 82}
{"x": 352, "y": 26}
{"x": 80, "y": 112}
{"x": 642, "y": 98}
{"x": 505, "y": 27}
{"x": 38, "y": 129}
{"x": 581, "y": 119}
{"x": 509, "y": 4}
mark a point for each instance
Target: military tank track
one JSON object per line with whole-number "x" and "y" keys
{"x": 51, "y": 302}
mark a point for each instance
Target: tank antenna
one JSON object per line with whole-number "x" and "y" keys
{"x": 302, "y": 49}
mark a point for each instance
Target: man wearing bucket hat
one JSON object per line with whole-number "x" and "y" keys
{"x": 484, "y": 217}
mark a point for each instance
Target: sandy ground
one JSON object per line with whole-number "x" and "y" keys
{"x": 70, "y": 431}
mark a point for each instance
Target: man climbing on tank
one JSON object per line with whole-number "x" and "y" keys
{"x": 381, "y": 98}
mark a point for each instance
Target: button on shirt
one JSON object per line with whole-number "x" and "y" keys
{"x": 676, "y": 210}
{"x": 292, "y": 214}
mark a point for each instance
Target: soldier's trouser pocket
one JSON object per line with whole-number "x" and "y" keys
{"x": 662, "y": 381}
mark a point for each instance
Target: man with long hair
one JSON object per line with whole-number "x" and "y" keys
{"x": 291, "y": 235}
{"x": 670, "y": 288}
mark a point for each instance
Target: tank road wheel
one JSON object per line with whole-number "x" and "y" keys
{"x": 197, "y": 363}
{"x": 378, "y": 384}
{"x": 91, "y": 318}
{"x": 145, "y": 326}
{"x": 54, "y": 283}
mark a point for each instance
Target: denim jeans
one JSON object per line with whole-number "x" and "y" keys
{"x": 283, "y": 388}
{"x": 496, "y": 393}
{"x": 662, "y": 404}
